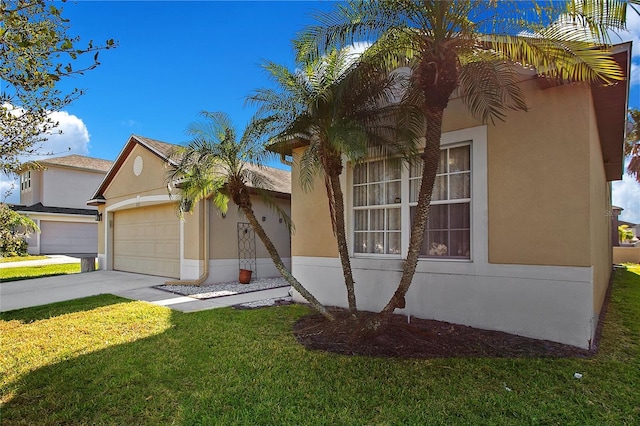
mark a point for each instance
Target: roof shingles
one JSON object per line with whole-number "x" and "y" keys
{"x": 78, "y": 162}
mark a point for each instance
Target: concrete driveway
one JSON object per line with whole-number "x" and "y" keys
{"x": 42, "y": 291}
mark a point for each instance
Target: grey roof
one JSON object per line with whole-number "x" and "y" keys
{"x": 39, "y": 208}
{"x": 78, "y": 162}
{"x": 277, "y": 180}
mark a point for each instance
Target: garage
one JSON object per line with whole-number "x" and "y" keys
{"x": 68, "y": 237}
{"x": 147, "y": 241}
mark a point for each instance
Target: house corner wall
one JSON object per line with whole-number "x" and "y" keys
{"x": 600, "y": 221}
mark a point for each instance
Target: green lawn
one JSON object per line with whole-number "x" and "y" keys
{"x": 105, "y": 360}
{"x": 20, "y": 258}
{"x": 27, "y": 272}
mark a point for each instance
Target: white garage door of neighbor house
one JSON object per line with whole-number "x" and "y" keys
{"x": 68, "y": 237}
{"x": 147, "y": 241}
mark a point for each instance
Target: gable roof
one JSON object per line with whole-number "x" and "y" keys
{"x": 74, "y": 161}
{"x": 279, "y": 180}
{"x": 160, "y": 149}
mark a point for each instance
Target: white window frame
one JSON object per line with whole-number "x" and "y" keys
{"x": 383, "y": 206}
{"x": 25, "y": 181}
{"x": 477, "y": 138}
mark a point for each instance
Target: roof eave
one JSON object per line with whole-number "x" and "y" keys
{"x": 611, "y": 105}
{"x": 96, "y": 201}
{"x": 287, "y": 147}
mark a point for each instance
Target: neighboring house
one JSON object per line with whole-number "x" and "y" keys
{"x": 549, "y": 168}
{"x": 53, "y": 192}
{"x": 140, "y": 230}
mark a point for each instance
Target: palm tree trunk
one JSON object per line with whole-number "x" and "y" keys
{"x": 430, "y": 159}
{"x": 341, "y": 237}
{"x": 248, "y": 212}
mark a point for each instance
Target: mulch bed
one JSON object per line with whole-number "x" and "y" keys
{"x": 420, "y": 339}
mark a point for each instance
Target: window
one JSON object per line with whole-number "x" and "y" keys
{"x": 376, "y": 206}
{"x": 448, "y": 230}
{"x": 25, "y": 181}
{"x": 379, "y": 206}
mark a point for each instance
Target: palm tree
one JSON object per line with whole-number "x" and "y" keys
{"x": 477, "y": 48}
{"x": 340, "y": 107}
{"x": 632, "y": 144}
{"x": 216, "y": 164}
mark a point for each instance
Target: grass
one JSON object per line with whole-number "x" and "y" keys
{"x": 27, "y": 272}
{"x": 105, "y": 360}
{"x": 20, "y": 258}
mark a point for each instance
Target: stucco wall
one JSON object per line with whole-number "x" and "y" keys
{"x": 58, "y": 181}
{"x": 313, "y": 234}
{"x": 538, "y": 174}
{"x": 193, "y": 231}
{"x": 224, "y": 234}
{"x": 600, "y": 221}
{"x": 32, "y": 195}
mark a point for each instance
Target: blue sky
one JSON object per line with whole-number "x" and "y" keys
{"x": 175, "y": 59}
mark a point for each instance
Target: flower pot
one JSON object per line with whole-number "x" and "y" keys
{"x": 245, "y": 276}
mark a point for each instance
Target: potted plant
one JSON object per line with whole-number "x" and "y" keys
{"x": 245, "y": 276}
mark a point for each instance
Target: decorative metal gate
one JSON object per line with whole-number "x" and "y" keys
{"x": 247, "y": 248}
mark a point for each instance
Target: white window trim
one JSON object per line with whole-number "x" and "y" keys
{"x": 477, "y": 136}
{"x": 25, "y": 181}
{"x": 449, "y": 202}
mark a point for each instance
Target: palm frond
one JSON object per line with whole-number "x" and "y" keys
{"x": 490, "y": 86}
{"x": 558, "y": 57}
{"x": 309, "y": 166}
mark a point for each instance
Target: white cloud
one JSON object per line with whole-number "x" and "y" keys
{"x": 631, "y": 34}
{"x": 626, "y": 194}
{"x": 73, "y": 140}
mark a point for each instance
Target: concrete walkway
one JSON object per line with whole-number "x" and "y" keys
{"x": 42, "y": 291}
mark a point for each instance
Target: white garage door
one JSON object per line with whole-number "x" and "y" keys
{"x": 147, "y": 241}
{"x": 68, "y": 237}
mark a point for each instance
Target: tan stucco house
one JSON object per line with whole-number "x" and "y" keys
{"x": 53, "y": 192}
{"x": 140, "y": 231}
{"x": 519, "y": 238}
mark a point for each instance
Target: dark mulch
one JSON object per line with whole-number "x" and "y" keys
{"x": 421, "y": 339}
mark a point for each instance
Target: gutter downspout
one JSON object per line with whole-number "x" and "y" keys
{"x": 205, "y": 271}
